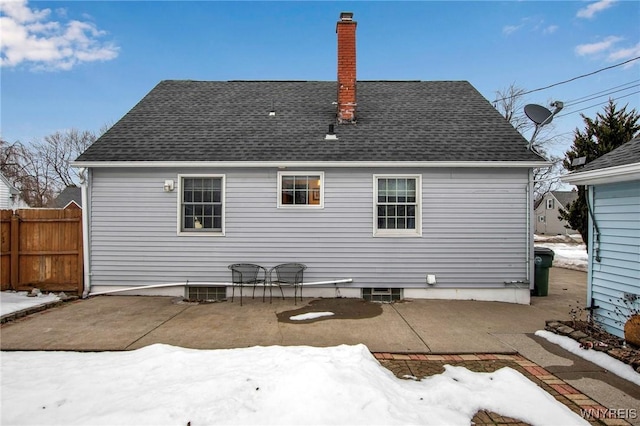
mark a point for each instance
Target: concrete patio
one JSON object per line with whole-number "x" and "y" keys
{"x": 412, "y": 326}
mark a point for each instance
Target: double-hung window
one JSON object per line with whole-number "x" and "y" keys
{"x": 201, "y": 207}
{"x": 397, "y": 205}
{"x": 301, "y": 189}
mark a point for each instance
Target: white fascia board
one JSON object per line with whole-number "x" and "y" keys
{"x": 286, "y": 164}
{"x": 602, "y": 176}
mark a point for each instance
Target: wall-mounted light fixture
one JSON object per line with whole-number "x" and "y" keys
{"x": 168, "y": 185}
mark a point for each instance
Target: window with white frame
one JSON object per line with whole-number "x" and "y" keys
{"x": 301, "y": 189}
{"x": 397, "y": 205}
{"x": 201, "y": 204}
{"x": 549, "y": 203}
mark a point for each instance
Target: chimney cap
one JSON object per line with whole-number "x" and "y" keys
{"x": 346, "y": 16}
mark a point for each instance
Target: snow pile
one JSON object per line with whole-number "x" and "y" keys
{"x": 162, "y": 384}
{"x": 601, "y": 359}
{"x": 11, "y": 301}
{"x": 311, "y": 315}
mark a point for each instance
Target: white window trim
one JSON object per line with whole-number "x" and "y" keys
{"x": 300, "y": 206}
{"x": 550, "y": 204}
{"x": 201, "y": 233}
{"x": 398, "y": 232}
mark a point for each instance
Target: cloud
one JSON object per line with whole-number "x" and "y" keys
{"x": 628, "y": 53}
{"x": 30, "y": 36}
{"x": 599, "y": 47}
{"x": 510, "y": 29}
{"x": 593, "y": 8}
{"x": 531, "y": 24}
{"x": 624, "y": 54}
{"x": 609, "y": 50}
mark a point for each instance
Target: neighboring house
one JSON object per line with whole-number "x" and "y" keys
{"x": 403, "y": 180}
{"x": 71, "y": 195}
{"x": 547, "y": 212}
{"x": 614, "y": 232}
{"x": 10, "y": 195}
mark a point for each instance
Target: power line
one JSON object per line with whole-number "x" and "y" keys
{"x": 599, "y": 96}
{"x": 574, "y": 78}
{"x": 598, "y": 104}
{"x": 571, "y": 101}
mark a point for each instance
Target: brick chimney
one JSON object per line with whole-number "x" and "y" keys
{"x": 346, "y": 30}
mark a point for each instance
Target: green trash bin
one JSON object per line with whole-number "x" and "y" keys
{"x": 543, "y": 260}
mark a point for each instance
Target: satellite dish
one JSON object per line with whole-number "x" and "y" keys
{"x": 538, "y": 114}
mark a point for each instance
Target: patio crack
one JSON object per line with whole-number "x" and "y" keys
{"x": 156, "y": 327}
{"x": 279, "y": 328}
{"x": 411, "y": 328}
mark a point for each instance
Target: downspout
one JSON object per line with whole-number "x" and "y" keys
{"x": 530, "y": 231}
{"x": 85, "y": 179}
{"x": 591, "y": 193}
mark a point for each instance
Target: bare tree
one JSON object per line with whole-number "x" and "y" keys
{"x": 42, "y": 169}
{"x": 58, "y": 150}
{"x": 510, "y": 103}
{"x": 10, "y": 163}
{"x": 27, "y": 172}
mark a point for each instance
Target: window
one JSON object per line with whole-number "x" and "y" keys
{"x": 549, "y": 203}
{"x": 202, "y": 205}
{"x": 382, "y": 294}
{"x": 542, "y": 219}
{"x": 301, "y": 189}
{"x": 397, "y": 206}
{"x": 206, "y": 294}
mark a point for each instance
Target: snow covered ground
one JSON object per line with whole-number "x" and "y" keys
{"x": 11, "y": 301}
{"x": 167, "y": 385}
{"x": 614, "y": 366}
{"x": 569, "y": 251}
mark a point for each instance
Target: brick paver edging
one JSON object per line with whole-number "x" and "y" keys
{"x": 422, "y": 365}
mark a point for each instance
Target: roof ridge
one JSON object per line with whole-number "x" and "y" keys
{"x": 311, "y": 81}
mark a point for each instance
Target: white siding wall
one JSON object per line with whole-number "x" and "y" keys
{"x": 474, "y": 229}
{"x": 617, "y": 212}
{"x": 5, "y": 196}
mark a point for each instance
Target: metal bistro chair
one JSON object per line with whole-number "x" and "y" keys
{"x": 245, "y": 274}
{"x": 288, "y": 274}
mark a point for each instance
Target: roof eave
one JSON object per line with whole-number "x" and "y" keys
{"x": 285, "y": 164}
{"x": 627, "y": 172}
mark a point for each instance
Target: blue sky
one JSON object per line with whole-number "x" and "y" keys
{"x": 84, "y": 64}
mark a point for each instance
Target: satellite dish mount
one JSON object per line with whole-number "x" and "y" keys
{"x": 541, "y": 116}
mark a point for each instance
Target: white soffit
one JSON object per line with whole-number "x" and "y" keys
{"x": 627, "y": 172}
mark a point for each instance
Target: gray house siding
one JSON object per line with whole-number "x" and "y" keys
{"x": 617, "y": 213}
{"x": 547, "y": 219}
{"x": 474, "y": 229}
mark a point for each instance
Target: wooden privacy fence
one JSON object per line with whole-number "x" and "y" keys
{"x": 42, "y": 248}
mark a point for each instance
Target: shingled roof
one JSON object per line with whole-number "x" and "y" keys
{"x": 628, "y": 153}
{"x": 565, "y": 197}
{"x": 229, "y": 121}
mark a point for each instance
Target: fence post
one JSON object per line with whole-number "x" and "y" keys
{"x": 15, "y": 251}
